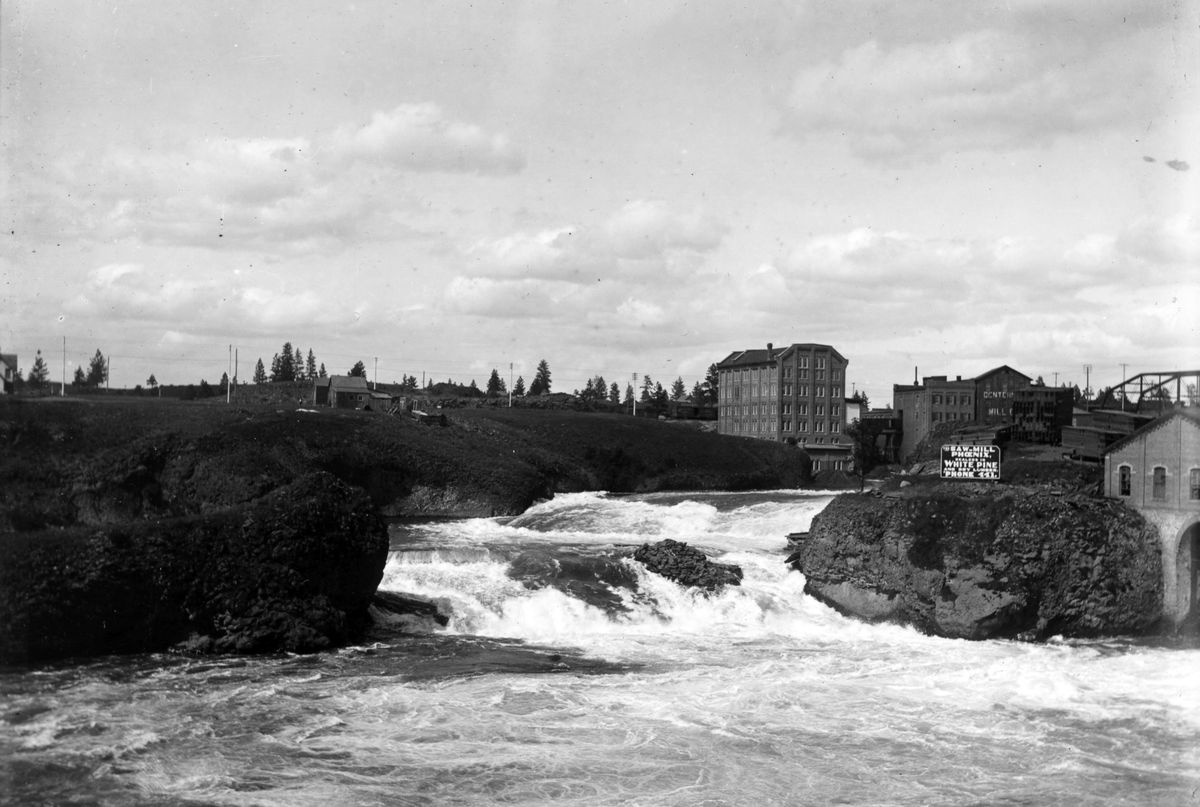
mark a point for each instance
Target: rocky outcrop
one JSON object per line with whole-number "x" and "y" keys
{"x": 687, "y": 565}
{"x": 978, "y": 562}
{"x": 294, "y": 571}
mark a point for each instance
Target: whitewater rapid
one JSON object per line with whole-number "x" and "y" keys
{"x": 567, "y": 674}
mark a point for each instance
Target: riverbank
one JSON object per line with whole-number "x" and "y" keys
{"x": 98, "y": 495}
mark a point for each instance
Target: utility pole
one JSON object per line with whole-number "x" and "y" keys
{"x": 229, "y": 378}
{"x": 1087, "y": 384}
{"x": 634, "y": 396}
{"x": 375, "y": 382}
{"x": 1056, "y": 378}
{"x": 1123, "y": 377}
{"x": 62, "y": 391}
{"x": 510, "y": 364}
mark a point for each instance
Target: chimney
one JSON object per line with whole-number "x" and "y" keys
{"x": 914, "y": 375}
{"x": 770, "y": 348}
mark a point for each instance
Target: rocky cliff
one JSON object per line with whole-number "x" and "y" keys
{"x": 976, "y": 561}
{"x": 133, "y": 525}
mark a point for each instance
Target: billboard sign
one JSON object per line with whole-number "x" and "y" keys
{"x": 971, "y": 462}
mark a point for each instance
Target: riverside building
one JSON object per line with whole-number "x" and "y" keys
{"x": 794, "y": 394}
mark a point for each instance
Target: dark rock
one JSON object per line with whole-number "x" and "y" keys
{"x": 686, "y": 565}
{"x": 403, "y": 605}
{"x": 980, "y": 564}
{"x": 294, "y": 571}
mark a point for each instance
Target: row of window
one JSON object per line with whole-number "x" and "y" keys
{"x": 818, "y": 426}
{"x": 1158, "y": 487}
{"x": 819, "y": 375}
{"x": 801, "y": 390}
{"x": 951, "y": 400}
{"x": 818, "y": 409}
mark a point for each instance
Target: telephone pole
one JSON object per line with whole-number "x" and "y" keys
{"x": 634, "y": 396}
{"x": 510, "y": 364}
{"x": 1087, "y": 384}
{"x": 1123, "y": 377}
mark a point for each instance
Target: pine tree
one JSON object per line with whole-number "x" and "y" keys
{"x": 660, "y": 395}
{"x": 697, "y": 394}
{"x": 647, "y": 388}
{"x": 495, "y": 385}
{"x": 286, "y": 370}
{"x": 678, "y": 391}
{"x": 321, "y": 373}
{"x": 39, "y": 375}
{"x": 358, "y": 370}
{"x": 541, "y": 379}
{"x": 628, "y": 394}
{"x": 614, "y": 393}
{"x": 519, "y": 387}
{"x": 297, "y": 366}
{"x": 310, "y": 366}
{"x": 80, "y": 379}
{"x": 260, "y": 372}
{"x": 712, "y": 385}
{"x": 589, "y": 391}
{"x": 97, "y": 372}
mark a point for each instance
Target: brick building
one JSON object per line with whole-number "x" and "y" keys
{"x": 796, "y": 393}
{"x": 1156, "y": 471}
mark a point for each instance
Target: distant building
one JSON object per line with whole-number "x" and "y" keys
{"x": 1002, "y": 399}
{"x": 1156, "y": 471}
{"x": 8, "y": 373}
{"x": 794, "y": 393}
{"x": 342, "y": 392}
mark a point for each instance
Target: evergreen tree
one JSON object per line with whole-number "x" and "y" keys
{"x": 310, "y": 366}
{"x": 80, "y": 380}
{"x": 297, "y": 366}
{"x": 541, "y": 379}
{"x": 697, "y": 394}
{"x": 519, "y": 387}
{"x": 628, "y": 394}
{"x": 39, "y": 374}
{"x": 495, "y": 385}
{"x": 358, "y": 370}
{"x": 647, "y": 388}
{"x": 224, "y": 381}
{"x": 678, "y": 391}
{"x": 97, "y": 371}
{"x": 614, "y": 393}
{"x": 660, "y": 396}
{"x": 287, "y": 364}
{"x": 712, "y": 385}
{"x": 260, "y": 372}
{"x": 321, "y": 373}
{"x": 600, "y": 386}
{"x": 589, "y": 391}
{"x": 275, "y": 368}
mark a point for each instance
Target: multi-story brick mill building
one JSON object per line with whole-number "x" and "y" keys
{"x": 796, "y": 392}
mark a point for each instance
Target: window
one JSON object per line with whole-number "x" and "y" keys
{"x": 950, "y": 400}
{"x": 820, "y": 375}
{"x": 1125, "y": 482}
{"x": 835, "y": 409}
{"x": 787, "y": 372}
{"x": 803, "y": 390}
{"x": 803, "y": 361}
{"x": 821, "y": 362}
{"x": 804, "y": 375}
{"x": 835, "y": 427}
{"x": 820, "y": 425}
{"x": 787, "y": 424}
{"x": 787, "y": 389}
{"x": 936, "y": 400}
{"x": 1160, "y": 483}
{"x": 787, "y": 408}
{"x": 802, "y": 408}
{"x": 820, "y": 410}
{"x": 1194, "y": 484}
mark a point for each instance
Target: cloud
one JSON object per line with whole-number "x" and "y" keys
{"x": 642, "y": 238}
{"x": 1178, "y": 165}
{"x": 293, "y": 195}
{"x": 989, "y": 89}
{"x": 419, "y": 137}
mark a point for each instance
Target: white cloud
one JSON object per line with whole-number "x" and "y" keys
{"x": 419, "y": 137}
{"x": 987, "y": 89}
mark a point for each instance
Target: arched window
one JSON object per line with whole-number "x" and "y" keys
{"x": 1160, "y": 483}
{"x": 1125, "y": 480}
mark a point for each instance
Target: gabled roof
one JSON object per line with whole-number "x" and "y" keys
{"x": 1189, "y": 413}
{"x": 744, "y": 358}
{"x": 348, "y": 383}
{"x": 1001, "y": 368}
{"x": 10, "y": 359}
{"x": 811, "y": 346}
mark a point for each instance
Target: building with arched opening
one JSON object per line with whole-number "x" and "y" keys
{"x": 1156, "y": 471}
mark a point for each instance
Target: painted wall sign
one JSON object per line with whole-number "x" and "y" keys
{"x": 970, "y": 462}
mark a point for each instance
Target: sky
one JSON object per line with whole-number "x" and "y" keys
{"x": 440, "y": 189}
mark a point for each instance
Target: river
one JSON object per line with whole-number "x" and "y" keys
{"x": 569, "y": 675}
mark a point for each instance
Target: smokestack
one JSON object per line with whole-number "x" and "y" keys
{"x": 914, "y": 375}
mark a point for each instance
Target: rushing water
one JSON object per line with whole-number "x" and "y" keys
{"x": 569, "y": 675}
